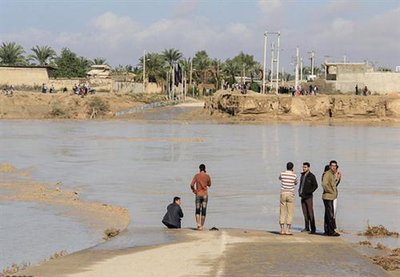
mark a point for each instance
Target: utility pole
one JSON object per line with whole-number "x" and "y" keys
{"x": 277, "y": 63}
{"x": 183, "y": 85}
{"x": 190, "y": 76}
{"x": 144, "y": 71}
{"x": 272, "y": 62}
{"x": 312, "y": 62}
{"x": 243, "y": 73}
{"x": 296, "y": 73}
{"x": 265, "y": 62}
{"x": 344, "y": 59}
{"x": 168, "y": 86}
{"x": 301, "y": 69}
{"x": 173, "y": 81}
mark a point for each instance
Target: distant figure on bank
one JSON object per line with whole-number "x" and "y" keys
{"x": 356, "y": 89}
{"x": 288, "y": 182}
{"x": 44, "y": 88}
{"x": 172, "y": 219}
{"x": 200, "y": 183}
{"x": 365, "y": 91}
{"x": 315, "y": 90}
{"x": 329, "y": 181}
{"x": 308, "y": 184}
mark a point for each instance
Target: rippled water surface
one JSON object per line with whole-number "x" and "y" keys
{"x": 142, "y": 166}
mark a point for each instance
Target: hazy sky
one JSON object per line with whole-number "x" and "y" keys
{"x": 120, "y": 30}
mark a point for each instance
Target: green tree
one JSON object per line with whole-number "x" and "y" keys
{"x": 231, "y": 69}
{"x": 70, "y": 65}
{"x": 185, "y": 63}
{"x": 172, "y": 56}
{"x": 43, "y": 55}
{"x": 247, "y": 65}
{"x": 99, "y": 61}
{"x": 155, "y": 68}
{"x": 12, "y": 54}
{"x": 201, "y": 66}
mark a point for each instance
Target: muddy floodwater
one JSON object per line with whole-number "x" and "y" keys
{"x": 143, "y": 166}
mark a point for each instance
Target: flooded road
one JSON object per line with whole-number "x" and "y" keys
{"x": 143, "y": 166}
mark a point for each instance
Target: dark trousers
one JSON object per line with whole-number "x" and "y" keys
{"x": 329, "y": 219}
{"x": 308, "y": 212}
{"x": 170, "y": 226}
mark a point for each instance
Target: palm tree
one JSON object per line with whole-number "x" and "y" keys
{"x": 171, "y": 56}
{"x": 44, "y": 55}
{"x": 155, "y": 68}
{"x": 12, "y": 54}
{"x": 185, "y": 63}
{"x": 231, "y": 69}
{"x": 99, "y": 61}
{"x": 201, "y": 65}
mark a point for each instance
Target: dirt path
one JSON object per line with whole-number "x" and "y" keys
{"x": 220, "y": 253}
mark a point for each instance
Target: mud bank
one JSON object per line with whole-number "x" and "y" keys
{"x": 305, "y": 107}
{"x": 18, "y": 185}
{"x": 35, "y": 105}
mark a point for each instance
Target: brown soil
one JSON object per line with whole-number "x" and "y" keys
{"x": 252, "y": 107}
{"x": 365, "y": 243}
{"x": 35, "y": 105}
{"x": 390, "y": 262}
{"x": 378, "y": 231}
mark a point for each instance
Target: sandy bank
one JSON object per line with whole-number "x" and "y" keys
{"x": 18, "y": 185}
{"x": 237, "y": 107}
{"x": 35, "y": 105}
{"x": 220, "y": 253}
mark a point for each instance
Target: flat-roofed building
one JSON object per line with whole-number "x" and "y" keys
{"x": 345, "y": 76}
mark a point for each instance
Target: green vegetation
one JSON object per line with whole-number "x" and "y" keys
{"x": 12, "y": 54}
{"x": 70, "y": 65}
{"x": 159, "y": 66}
{"x": 43, "y": 55}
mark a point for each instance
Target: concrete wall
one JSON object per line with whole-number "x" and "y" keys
{"x": 98, "y": 84}
{"x": 131, "y": 87}
{"x": 377, "y": 82}
{"x": 22, "y": 76}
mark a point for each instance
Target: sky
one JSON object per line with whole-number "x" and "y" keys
{"x": 121, "y": 30}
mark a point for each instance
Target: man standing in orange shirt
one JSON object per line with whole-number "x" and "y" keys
{"x": 200, "y": 183}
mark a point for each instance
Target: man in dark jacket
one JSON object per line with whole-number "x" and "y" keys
{"x": 308, "y": 184}
{"x": 172, "y": 219}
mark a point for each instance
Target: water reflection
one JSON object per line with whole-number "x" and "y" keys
{"x": 244, "y": 162}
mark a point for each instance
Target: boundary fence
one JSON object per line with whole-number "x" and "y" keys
{"x": 148, "y": 106}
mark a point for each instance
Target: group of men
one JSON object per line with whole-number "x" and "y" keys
{"x": 364, "y": 92}
{"x": 199, "y": 186}
{"x": 307, "y": 186}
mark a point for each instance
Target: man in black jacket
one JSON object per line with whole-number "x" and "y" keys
{"x": 172, "y": 219}
{"x": 308, "y": 184}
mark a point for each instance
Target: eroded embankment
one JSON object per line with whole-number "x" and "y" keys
{"x": 35, "y": 105}
{"x": 322, "y": 106}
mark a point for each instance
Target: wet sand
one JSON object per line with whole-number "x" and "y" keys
{"x": 220, "y": 253}
{"x": 20, "y": 186}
